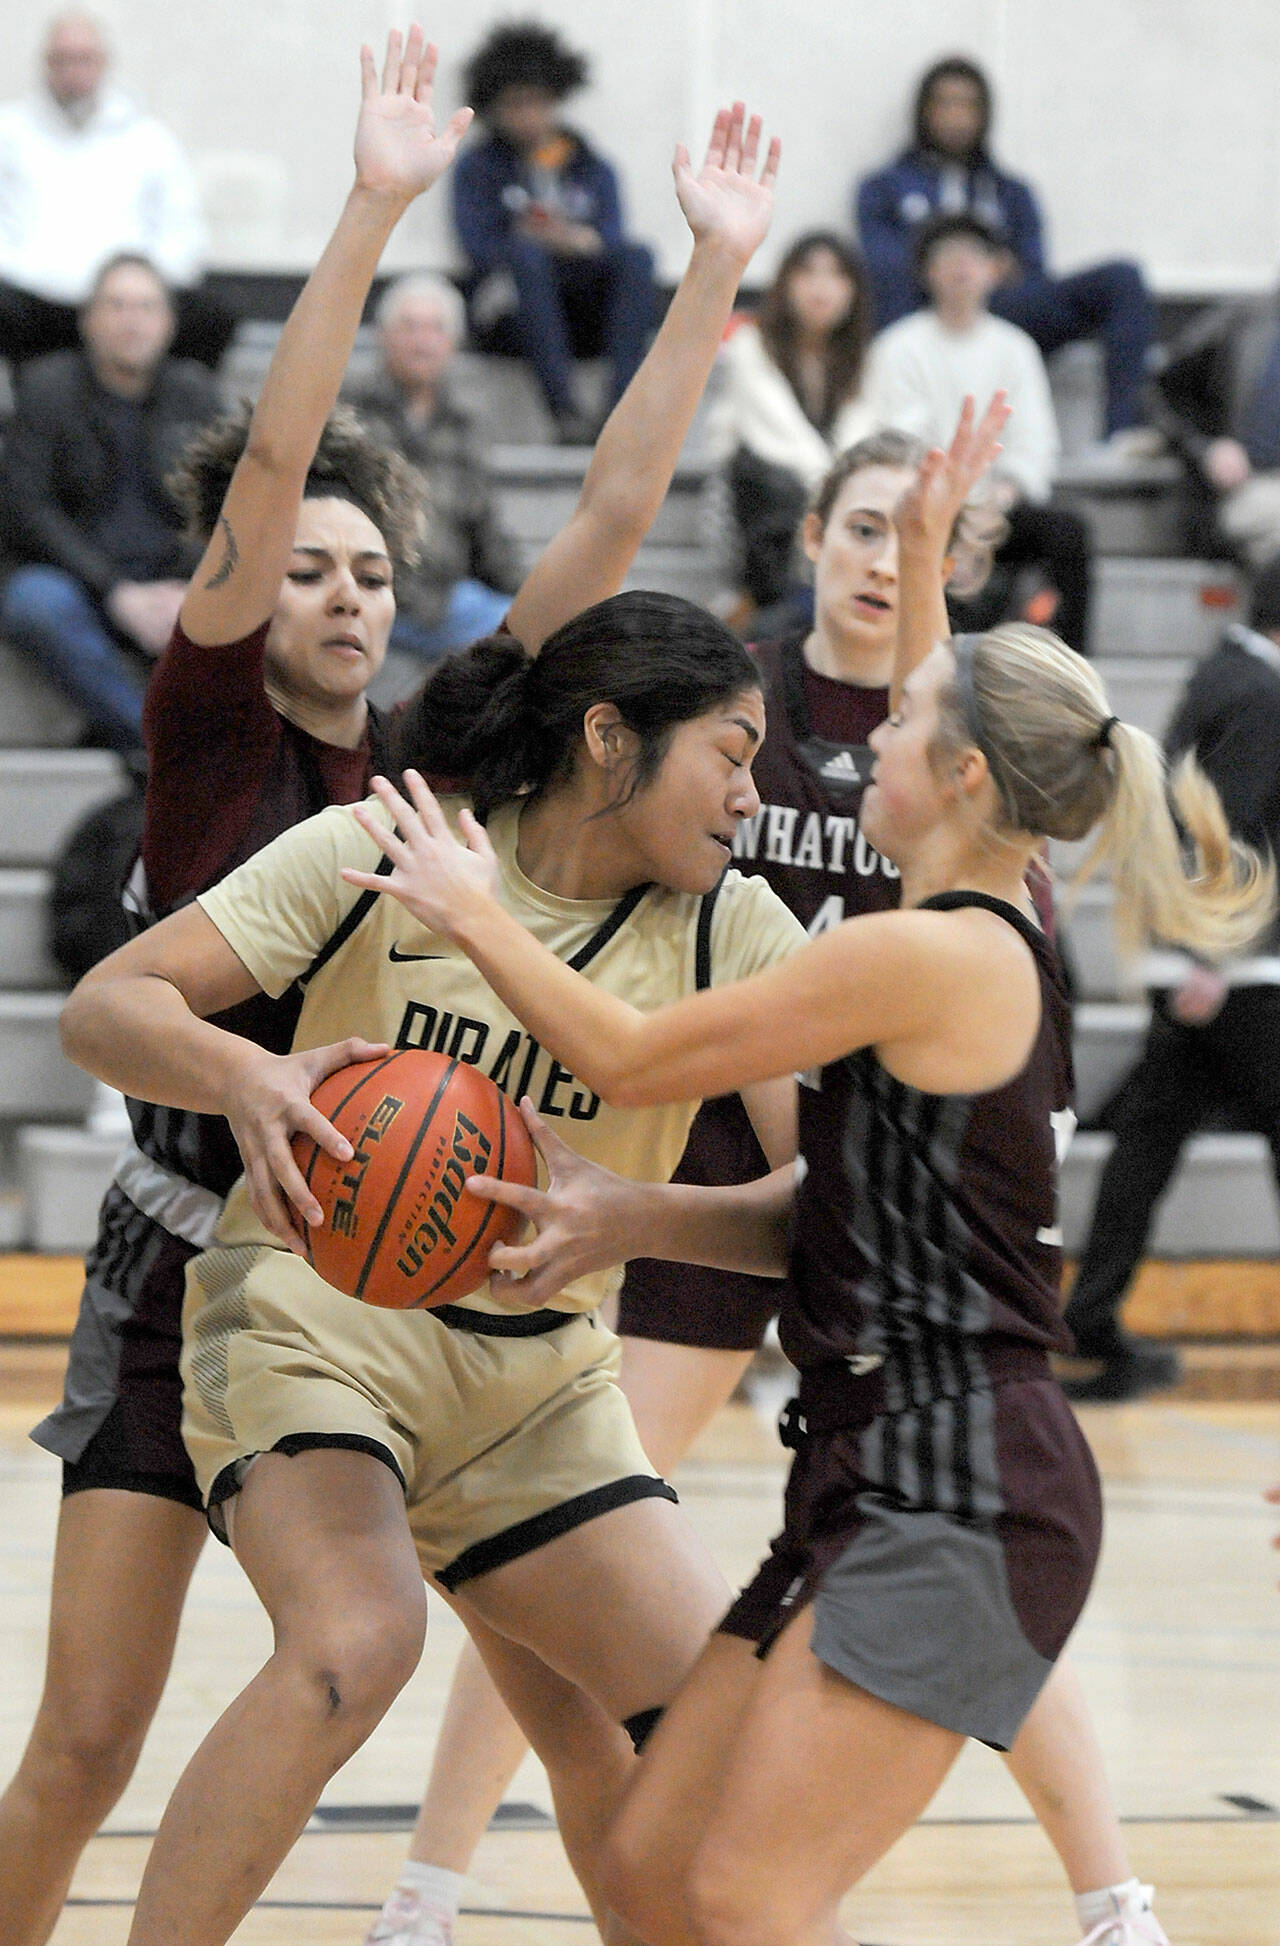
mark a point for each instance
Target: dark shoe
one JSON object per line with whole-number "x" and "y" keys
{"x": 1126, "y": 1373}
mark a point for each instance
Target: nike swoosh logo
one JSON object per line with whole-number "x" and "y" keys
{"x": 402, "y": 959}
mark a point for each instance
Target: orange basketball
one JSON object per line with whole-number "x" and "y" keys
{"x": 399, "y": 1229}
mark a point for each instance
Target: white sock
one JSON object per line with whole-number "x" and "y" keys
{"x": 435, "y": 1886}
{"x": 1113, "y": 1902}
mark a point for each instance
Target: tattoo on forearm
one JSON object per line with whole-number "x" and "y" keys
{"x": 230, "y": 558}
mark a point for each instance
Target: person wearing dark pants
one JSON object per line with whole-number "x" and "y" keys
{"x": 567, "y": 307}
{"x": 947, "y": 168}
{"x": 1109, "y": 303}
{"x": 1042, "y": 575}
{"x": 539, "y": 214}
{"x": 1214, "y": 1039}
{"x": 90, "y": 532}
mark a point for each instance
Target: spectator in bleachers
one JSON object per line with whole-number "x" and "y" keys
{"x": 790, "y": 399}
{"x": 539, "y": 214}
{"x": 86, "y": 174}
{"x": 948, "y": 167}
{"x": 1214, "y": 1038}
{"x": 84, "y": 510}
{"x": 1217, "y": 400}
{"x": 921, "y": 370}
{"x": 468, "y": 566}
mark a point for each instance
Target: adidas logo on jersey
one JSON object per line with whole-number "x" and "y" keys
{"x": 843, "y": 768}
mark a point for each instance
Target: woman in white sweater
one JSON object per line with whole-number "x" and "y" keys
{"x": 790, "y": 400}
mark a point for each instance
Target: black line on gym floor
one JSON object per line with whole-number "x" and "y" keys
{"x": 1267, "y": 1814}
{"x": 358, "y": 1905}
{"x": 513, "y": 1815}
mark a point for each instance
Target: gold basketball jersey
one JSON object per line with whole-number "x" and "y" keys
{"x": 369, "y": 968}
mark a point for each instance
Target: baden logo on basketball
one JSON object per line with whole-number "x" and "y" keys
{"x": 469, "y": 1150}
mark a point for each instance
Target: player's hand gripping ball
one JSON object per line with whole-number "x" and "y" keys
{"x": 399, "y": 1229}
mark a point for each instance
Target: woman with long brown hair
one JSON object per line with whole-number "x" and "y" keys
{"x": 790, "y": 400}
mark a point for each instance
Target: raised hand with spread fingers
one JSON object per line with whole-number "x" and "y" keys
{"x": 727, "y": 201}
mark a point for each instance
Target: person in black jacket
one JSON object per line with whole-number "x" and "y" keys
{"x": 1214, "y": 1038}
{"x": 101, "y": 562}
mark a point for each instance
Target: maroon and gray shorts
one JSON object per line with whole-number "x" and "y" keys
{"x": 951, "y": 1604}
{"x": 120, "y": 1421}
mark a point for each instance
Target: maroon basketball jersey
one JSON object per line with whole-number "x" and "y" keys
{"x": 926, "y": 1226}
{"x": 806, "y": 838}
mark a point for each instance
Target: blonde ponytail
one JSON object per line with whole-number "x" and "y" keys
{"x": 1210, "y": 893}
{"x": 1062, "y": 764}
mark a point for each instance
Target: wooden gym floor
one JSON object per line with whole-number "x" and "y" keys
{"x": 1180, "y": 1648}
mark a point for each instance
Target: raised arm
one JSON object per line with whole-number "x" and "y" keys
{"x": 398, "y": 155}
{"x": 890, "y": 979}
{"x": 925, "y": 518}
{"x": 727, "y": 207}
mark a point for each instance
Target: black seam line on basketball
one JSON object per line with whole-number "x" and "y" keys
{"x": 603, "y": 934}
{"x": 702, "y": 950}
{"x": 527, "y": 1535}
{"x": 490, "y": 1213}
{"x": 424, "y": 1125}
{"x": 363, "y": 905}
{"x": 316, "y": 1151}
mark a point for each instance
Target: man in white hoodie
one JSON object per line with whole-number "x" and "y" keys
{"x": 85, "y": 174}
{"x": 919, "y": 373}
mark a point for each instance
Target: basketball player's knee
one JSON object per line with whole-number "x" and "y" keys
{"x": 726, "y": 1904}
{"x": 630, "y": 1871}
{"x": 356, "y": 1663}
{"x": 92, "y": 1746}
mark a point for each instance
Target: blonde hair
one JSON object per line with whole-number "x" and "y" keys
{"x": 1061, "y": 763}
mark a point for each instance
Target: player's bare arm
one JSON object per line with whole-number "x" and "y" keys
{"x": 915, "y": 985}
{"x": 925, "y": 518}
{"x": 398, "y": 156}
{"x": 727, "y": 205}
{"x": 138, "y": 1021}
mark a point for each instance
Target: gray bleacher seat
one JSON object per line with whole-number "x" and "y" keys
{"x": 25, "y": 961}
{"x": 1160, "y": 607}
{"x": 1221, "y": 1202}
{"x": 43, "y": 793}
{"x": 32, "y": 710}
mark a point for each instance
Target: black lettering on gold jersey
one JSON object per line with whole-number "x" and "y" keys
{"x": 512, "y": 1068}
{"x": 582, "y": 1107}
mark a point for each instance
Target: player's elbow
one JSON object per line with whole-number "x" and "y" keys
{"x": 627, "y": 1091}
{"x": 80, "y": 1011}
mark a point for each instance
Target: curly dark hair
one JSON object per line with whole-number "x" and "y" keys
{"x": 522, "y": 54}
{"x": 349, "y": 464}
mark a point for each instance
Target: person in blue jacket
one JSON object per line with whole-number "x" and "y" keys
{"x": 539, "y": 214}
{"x": 948, "y": 167}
